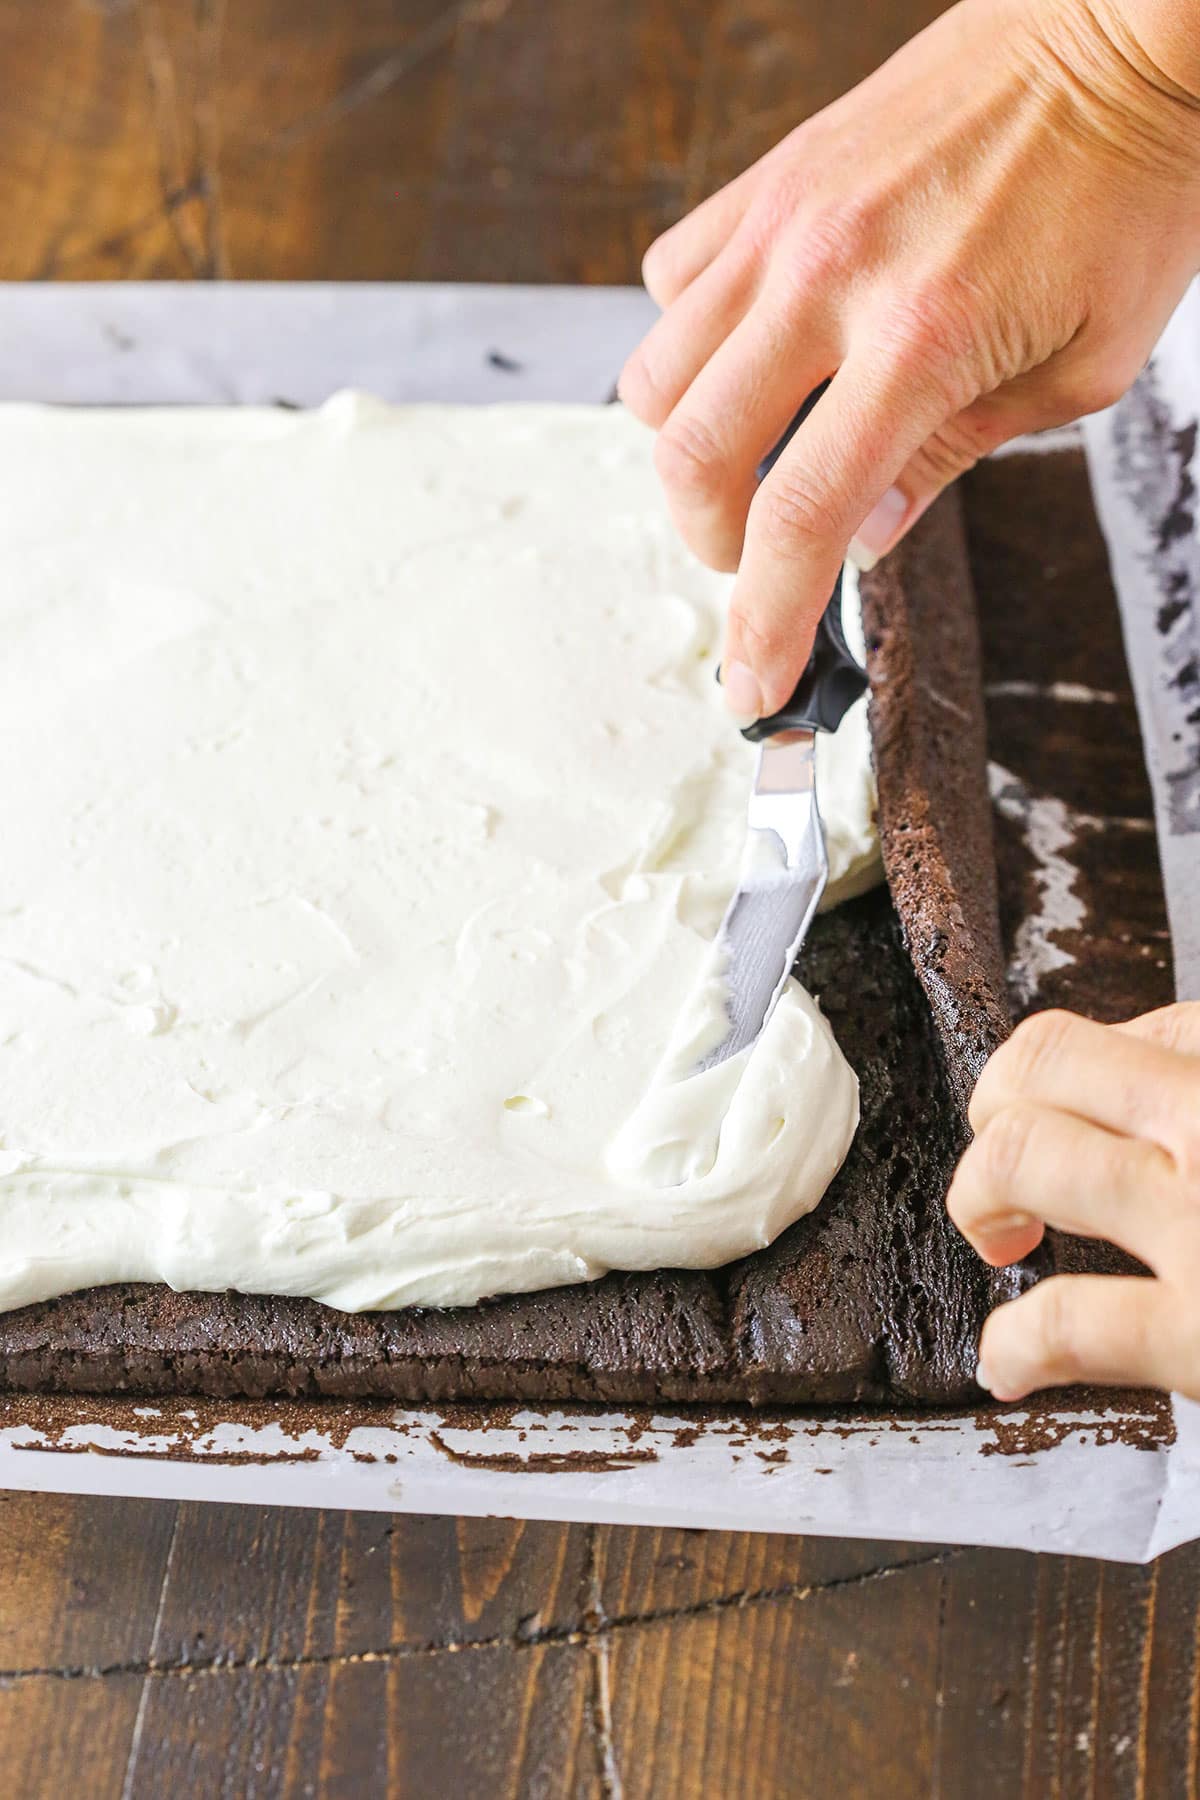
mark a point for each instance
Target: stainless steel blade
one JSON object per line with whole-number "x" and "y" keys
{"x": 784, "y": 871}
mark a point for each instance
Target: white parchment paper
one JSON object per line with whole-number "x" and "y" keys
{"x": 1144, "y": 458}
{"x": 1101, "y": 1487}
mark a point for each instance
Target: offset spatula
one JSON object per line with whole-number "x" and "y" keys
{"x": 784, "y": 866}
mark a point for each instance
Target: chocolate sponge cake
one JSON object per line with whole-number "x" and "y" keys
{"x": 929, "y": 739}
{"x": 873, "y": 1297}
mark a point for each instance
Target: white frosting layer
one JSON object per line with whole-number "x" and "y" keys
{"x": 846, "y": 789}
{"x": 366, "y": 803}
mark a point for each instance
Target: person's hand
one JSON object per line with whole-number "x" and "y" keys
{"x": 1094, "y": 1129}
{"x": 984, "y": 238}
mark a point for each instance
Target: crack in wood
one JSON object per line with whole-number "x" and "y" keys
{"x": 1095, "y": 1661}
{"x": 939, "y": 1686}
{"x": 384, "y": 75}
{"x": 189, "y": 168}
{"x": 1032, "y": 1676}
{"x": 1142, "y": 1748}
{"x": 596, "y": 1622}
{"x": 579, "y": 1635}
{"x": 210, "y": 18}
{"x": 57, "y": 262}
{"x": 135, "y": 1736}
{"x": 1193, "y": 1711}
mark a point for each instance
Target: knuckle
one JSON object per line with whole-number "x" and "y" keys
{"x": 946, "y": 455}
{"x": 713, "y": 539}
{"x": 1173, "y": 1027}
{"x": 791, "y": 514}
{"x": 1098, "y": 393}
{"x": 855, "y": 222}
{"x": 1101, "y": 384}
{"x": 1005, "y": 1147}
{"x": 769, "y": 215}
{"x": 639, "y": 390}
{"x": 1180, "y": 1327}
{"x": 690, "y": 460}
{"x": 1037, "y": 1043}
{"x": 660, "y": 267}
{"x": 932, "y": 327}
{"x": 1187, "y": 1149}
{"x": 931, "y": 318}
{"x": 962, "y": 1200}
{"x": 1176, "y": 1030}
{"x": 1055, "y": 1340}
{"x": 1142, "y": 1331}
{"x": 991, "y": 1078}
{"x": 722, "y": 553}
{"x": 824, "y": 242}
{"x": 746, "y": 629}
{"x": 1100, "y": 363}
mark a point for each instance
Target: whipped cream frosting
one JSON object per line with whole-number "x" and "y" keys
{"x": 368, "y": 807}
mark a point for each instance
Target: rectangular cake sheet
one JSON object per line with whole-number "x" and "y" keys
{"x": 1122, "y": 1485}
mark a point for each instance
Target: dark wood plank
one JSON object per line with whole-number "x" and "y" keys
{"x": 769, "y": 64}
{"x": 527, "y": 78}
{"x": 80, "y": 176}
{"x": 333, "y": 120}
{"x": 78, "y": 1605}
{"x": 247, "y": 1651}
{"x": 785, "y": 1694}
{"x": 656, "y": 1572}
{"x": 496, "y": 1722}
{"x": 1168, "y": 1736}
{"x": 450, "y": 139}
{"x": 251, "y": 1584}
{"x": 1046, "y": 1677}
{"x": 81, "y": 1579}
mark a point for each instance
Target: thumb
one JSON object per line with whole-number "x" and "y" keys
{"x": 1102, "y": 1329}
{"x": 841, "y": 466}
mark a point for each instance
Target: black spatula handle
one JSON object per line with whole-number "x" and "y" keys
{"x": 832, "y": 681}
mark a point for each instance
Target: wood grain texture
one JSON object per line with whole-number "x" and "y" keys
{"x": 489, "y": 140}
{"x": 250, "y": 1652}
{"x": 147, "y": 1649}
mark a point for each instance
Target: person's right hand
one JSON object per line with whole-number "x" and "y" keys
{"x": 983, "y": 239}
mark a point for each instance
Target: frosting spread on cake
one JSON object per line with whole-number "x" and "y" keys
{"x": 367, "y": 805}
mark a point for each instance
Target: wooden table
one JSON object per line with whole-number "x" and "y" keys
{"x": 150, "y": 1649}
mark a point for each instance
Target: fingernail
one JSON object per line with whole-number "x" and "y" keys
{"x": 878, "y": 531}
{"x": 743, "y": 695}
{"x": 1006, "y": 1223}
{"x": 982, "y": 1378}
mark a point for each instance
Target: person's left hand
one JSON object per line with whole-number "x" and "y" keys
{"x": 1094, "y": 1129}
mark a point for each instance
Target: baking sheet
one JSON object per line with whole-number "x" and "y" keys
{"x": 1119, "y": 1484}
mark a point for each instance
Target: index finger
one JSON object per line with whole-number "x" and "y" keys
{"x": 1124, "y": 1082}
{"x": 875, "y": 414}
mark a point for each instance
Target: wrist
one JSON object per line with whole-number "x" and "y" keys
{"x": 1160, "y": 40}
{"x": 1129, "y": 71}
